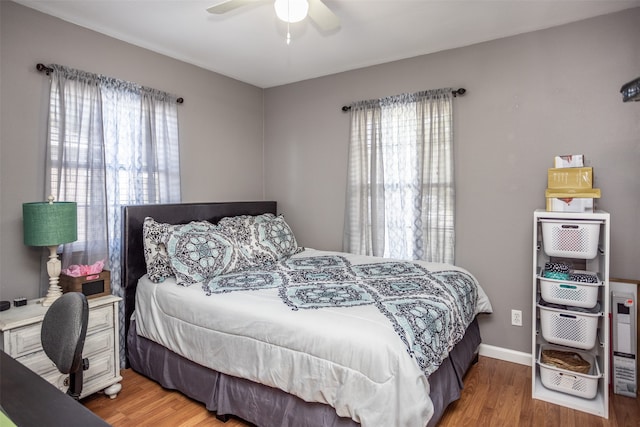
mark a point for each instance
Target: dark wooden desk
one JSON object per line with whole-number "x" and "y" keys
{"x": 30, "y": 401}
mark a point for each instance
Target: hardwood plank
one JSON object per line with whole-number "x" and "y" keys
{"x": 496, "y": 393}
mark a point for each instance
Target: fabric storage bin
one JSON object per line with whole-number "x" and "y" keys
{"x": 569, "y": 326}
{"x": 570, "y": 382}
{"x": 570, "y": 239}
{"x": 575, "y": 294}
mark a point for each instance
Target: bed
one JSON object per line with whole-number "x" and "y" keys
{"x": 354, "y": 363}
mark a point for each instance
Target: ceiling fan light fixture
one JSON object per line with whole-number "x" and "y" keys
{"x": 291, "y": 10}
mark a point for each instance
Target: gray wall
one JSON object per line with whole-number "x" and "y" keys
{"x": 529, "y": 98}
{"x": 221, "y": 124}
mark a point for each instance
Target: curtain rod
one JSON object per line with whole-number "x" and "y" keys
{"x": 455, "y": 93}
{"x": 48, "y": 70}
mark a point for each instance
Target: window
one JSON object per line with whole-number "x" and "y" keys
{"x": 400, "y": 190}
{"x": 110, "y": 143}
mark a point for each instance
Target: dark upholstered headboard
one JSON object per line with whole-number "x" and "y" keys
{"x": 133, "y": 263}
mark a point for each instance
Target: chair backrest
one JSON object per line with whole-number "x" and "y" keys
{"x": 64, "y": 329}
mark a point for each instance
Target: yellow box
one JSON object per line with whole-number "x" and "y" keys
{"x": 571, "y": 200}
{"x": 571, "y": 193}
{"x": 576, "y": 178}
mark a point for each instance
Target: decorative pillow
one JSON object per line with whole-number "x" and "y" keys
{"x": 244, "y": 231}
{"x": 277, "y": 237}
{"x": 197, "y": 254}
{"x": 240, "y": 224}
{"x": 155, "y": 251}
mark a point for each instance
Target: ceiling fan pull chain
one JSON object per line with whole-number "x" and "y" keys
{"x": 288, "y": 34}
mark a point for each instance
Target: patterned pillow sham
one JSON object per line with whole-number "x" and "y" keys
{"x": 262, "y": 239}
{"x": 197, "y": 254}
{"x": 155, "y": 251}
{"x": 243, "y": 229}
{"x": 202, "y": 250}
{"x": 277, "y": 237}
{"x": 239, "y": 224}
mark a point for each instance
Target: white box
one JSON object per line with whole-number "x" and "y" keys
{"x": 569, "y": 161}
{"x": 576, "y": 204}
{"x": 624, "y": 335}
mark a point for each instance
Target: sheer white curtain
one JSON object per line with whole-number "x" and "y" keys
{"x": 76, "y": 160}
{"x": 400, "y": 188}
{"x": 141, "y": 152}
{"x": 111, "y": 143}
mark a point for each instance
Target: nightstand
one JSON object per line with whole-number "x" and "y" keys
{"x": 20, "y": 329}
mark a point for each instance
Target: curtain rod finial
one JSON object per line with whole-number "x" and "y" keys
{"x": 460, "y": 92}
{"x": 44, "y": 68}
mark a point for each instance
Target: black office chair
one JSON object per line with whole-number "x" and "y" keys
{"x": 64, "y": 329}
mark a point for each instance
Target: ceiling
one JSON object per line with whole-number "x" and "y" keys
{"x": 249, "y": 44}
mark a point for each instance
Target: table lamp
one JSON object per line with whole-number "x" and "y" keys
{"x": 50, "y": 224}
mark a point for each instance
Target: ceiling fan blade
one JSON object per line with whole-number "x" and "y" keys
{"x": 323, "y": 16}
{"x": 227, "y": 5}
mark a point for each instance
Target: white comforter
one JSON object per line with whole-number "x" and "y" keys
{"x": 349, "y": 358}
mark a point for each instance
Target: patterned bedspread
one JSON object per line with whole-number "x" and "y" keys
{"x": 429, "y": 310}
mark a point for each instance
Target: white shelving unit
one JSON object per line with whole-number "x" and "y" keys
{"x": 566, "y": 388}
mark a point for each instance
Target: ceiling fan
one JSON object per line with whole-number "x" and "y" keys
{"x": 289, "y": 11}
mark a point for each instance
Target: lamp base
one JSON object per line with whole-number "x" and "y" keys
{"x": 53, "y": 269}
{"x": 53, "y": 293}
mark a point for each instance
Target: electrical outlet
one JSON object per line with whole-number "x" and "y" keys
{"x": 516, "y": 317}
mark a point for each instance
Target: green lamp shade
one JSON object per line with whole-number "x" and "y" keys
{"x": 50, "y": 224}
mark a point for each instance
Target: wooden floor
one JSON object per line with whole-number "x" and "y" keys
{"x": 496, "y": 393}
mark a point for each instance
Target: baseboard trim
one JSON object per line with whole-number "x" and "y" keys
{"x": 506, "y": 354}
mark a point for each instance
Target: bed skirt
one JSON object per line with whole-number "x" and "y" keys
{"x": 270, "y": 407}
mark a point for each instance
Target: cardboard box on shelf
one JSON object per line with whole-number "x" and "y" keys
{"x": 577, "y": 178}
{"x": 571, "y": 200}
{"x": 569, "y": 193}
{"x": 569, "y": 161}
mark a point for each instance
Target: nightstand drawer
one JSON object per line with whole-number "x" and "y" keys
{"x": 100, "y": 318}
{"x": 38, "y": 362}
{"x": 101, "y": 369}
{"x": 94, "y": 346}
{"x": 25, "y": 340}
{"x": 100, "y": 342}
